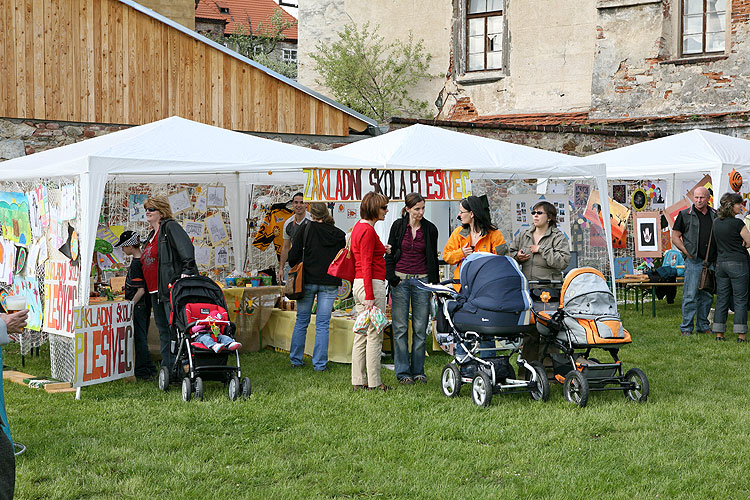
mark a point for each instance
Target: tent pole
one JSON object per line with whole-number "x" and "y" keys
{"x": 247, "y": 222}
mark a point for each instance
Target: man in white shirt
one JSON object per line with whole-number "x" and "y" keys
{"x": 299, "y": 219}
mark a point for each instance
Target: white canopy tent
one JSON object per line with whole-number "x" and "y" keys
{"x": 426, "y": 147}
{"x": 172, "y": 150}
{"x": 678, "y": 157}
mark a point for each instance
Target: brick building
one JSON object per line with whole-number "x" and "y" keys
{"x": 571, "y": 76}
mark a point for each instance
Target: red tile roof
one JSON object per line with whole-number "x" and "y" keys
{"x": 258, "y": 11}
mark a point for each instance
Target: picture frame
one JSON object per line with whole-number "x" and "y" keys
{"x": 647, "y": 234}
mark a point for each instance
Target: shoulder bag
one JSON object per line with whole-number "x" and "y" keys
{"x": 294, "y": 288}
{"x": 342, "y": 265}
{"x": 707, "y": 280}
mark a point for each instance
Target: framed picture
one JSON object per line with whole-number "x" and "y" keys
{"x": 647, "y": 234}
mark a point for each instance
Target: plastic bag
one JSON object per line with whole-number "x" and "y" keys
{"x": 373, "y": 316}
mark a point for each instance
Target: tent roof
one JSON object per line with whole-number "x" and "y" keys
{"x": 423, "y": 146}
{"x": 173, "y": 146}
{"x": 686, "y": 153}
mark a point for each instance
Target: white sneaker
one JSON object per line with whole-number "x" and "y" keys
{"x": 233, "y": 346}
{"x": 216, "y": 348}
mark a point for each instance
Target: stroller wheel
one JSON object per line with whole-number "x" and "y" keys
{"x": 187, "y": 389}
{"x": 450, "y": 380}
{"x": 233, "y": 387}
{"x": 638, "y": 385}
{"x": 245, "y": 387}
{"x": 540, "y": 392}
{"x": 163, "y": 379}
{"x": 576, "y": 388}
{"x": 199, "y": 388}
{"x": 481, "y": 390}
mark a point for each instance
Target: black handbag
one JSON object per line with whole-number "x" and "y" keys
{"x": 707, "y": 280}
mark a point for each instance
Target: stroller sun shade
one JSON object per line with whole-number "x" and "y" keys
{"x": 585, "y": 291}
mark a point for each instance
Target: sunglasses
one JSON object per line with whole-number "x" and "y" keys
{"x": 384, "y": 207}
{"x": 149, "y": 209}
{"x": 537, "y": 212}
{"x": 462, "y": 212}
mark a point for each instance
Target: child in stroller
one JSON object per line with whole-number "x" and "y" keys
{"x": 485, "y": 322}
{"x": 207, "y": 332}
{"x": 198, "y": 302}
{"x": 587, "y": 319}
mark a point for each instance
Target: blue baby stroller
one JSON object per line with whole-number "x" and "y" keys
{"x": 484, "y": 324}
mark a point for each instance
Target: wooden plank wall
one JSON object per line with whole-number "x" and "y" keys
{"x": 100, "y": 61}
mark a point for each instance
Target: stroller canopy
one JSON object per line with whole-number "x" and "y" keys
{"x": 493, "y": 283}
{"x": 585, "y": 291}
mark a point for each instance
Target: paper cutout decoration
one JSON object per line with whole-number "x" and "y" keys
{"x": 203, "y": 256}
{"x": 647, "y": 234}
{"x": 215, "y": 196}
{"x": 216, "y": 229}
{"x": 136, "y": 212}
{"x": 179, "y": 202}
{"x": 29, "y": 288}
{"x": 639, "y": 199}
{"x": 222, "y": 256}
{"x": 194, "y": 229}
{"x": 68, "y": 202}
{"x": 201, "y": 204}
{"x": 21, "y": 256}
{"x": 14, "y": 213}
{"x": 623, "y": 266}
{"x": 735, "y": 180}
{"x": 70, "y": 247}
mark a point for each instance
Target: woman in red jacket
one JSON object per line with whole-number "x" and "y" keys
{"x": 368, "y": 290}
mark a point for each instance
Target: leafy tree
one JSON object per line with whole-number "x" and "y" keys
{"x": 371, "y": 76}
{"x": 260, "y": 45}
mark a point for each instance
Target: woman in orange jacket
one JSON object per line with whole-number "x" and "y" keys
{"x": 476, "y": 234}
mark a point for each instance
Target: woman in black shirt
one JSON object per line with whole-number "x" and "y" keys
{"x": 731, "y": 238}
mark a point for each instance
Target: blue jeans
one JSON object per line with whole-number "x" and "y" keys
{"x": 401, "y": 295}
{"x": 326, "y": 295}
{"x": 141, "y": 318}
{"x": 695, "y": 303}
{"x": 161, "y": 318}
{"x": 207, "y": 340}
{"x": 731, "y": 279}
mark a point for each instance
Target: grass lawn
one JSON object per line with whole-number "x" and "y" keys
{"x": 307, "y": 435}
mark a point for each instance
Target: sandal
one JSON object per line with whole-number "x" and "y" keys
{"x": 358, "y": 387}
{"x": 422, "y": 379}
{"x": 381, "y": 387}
{"x": 406, "y": 381}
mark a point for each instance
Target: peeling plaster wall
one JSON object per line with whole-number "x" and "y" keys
{"x": 637, "y": 71}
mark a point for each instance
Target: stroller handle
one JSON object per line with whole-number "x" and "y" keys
{"x": 545, "y": 282}
{"x": 451, "y": 281}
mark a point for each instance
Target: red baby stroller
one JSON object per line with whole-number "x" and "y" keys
{"x": 197, "y": 300}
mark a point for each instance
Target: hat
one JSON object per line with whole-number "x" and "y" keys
{"x": 128, "y": 239}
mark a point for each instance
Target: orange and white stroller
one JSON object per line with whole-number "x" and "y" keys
{"x": 587, "y": 319}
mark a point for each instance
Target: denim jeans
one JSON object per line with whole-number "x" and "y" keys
{"x": 731, "y": 278}
{"x": 695, "y": 303}
{"x": 162, "y": 311}
{"x": 326, "y": 295}
{"x": 401, "y": 295}
{"x": 207, "y": 340}
{"x": 141, "y": 318}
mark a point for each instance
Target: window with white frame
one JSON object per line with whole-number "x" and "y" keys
{"x": 484, "y": 35}
{"x": 703, "y": 27}
{"x": 289, "y": 55}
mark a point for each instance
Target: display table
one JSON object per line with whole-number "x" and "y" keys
{"x": 641, "y": 288}
{"x": 249, "y": 308}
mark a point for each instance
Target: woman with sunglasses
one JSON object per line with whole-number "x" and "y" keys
{"x": 543, "y": 252}
{"x": 368, "y": 290}
{"x": 476, "y": 234}
{"x": 167, "y": 256}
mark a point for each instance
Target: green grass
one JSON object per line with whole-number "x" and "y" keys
{"x": 306, "y": 435}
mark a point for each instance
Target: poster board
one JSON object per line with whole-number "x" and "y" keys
{"x": 104, "y": 349}
{"x": 521, "y": 205}
{"x": 60, "y": 293}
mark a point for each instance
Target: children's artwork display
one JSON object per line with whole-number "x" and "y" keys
{"x": 29, "y": 288}
{"x": 201, "y": 204}
{"x": 7, "y": 260}
{"x": 14, "y": 215}
{"x": 203, "y": 256}
{"x": 523, "y": 203}
{"x": 117, "y": 256}
{"x": 647, "y": 234}
{"x": 136, "y": 212}
{"x": 35, "y": 218}
{"x": 194, "y": 229}
{"x": 581, "y": 195}
{"x": 221, "y": 256}
{"x": 22, "y": 253}
{"x": 215, "y": 196}
{"x": 179, "y": 201}
{"x": 216, "y": 229}
{"x": 623, "y": 266}
{"x": 618, "y": 214}
{"x": 619, "y": 192}
{"x": 68, "y": 202}
{"x": 103, "y": 342}
{"x": 60, "y": 293}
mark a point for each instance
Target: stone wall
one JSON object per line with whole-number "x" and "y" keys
{"x": 181, "y": 11}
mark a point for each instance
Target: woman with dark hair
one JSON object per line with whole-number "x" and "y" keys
{"x": 316, "y": 244}
{"x": 476, "y": 233}
{"x": 413, "y": 257}
{"x": 542, "y": 250}
{"x": 731, "y": 238}
{"x": 167, "y": 256}
{"x": 368, "y": 290}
